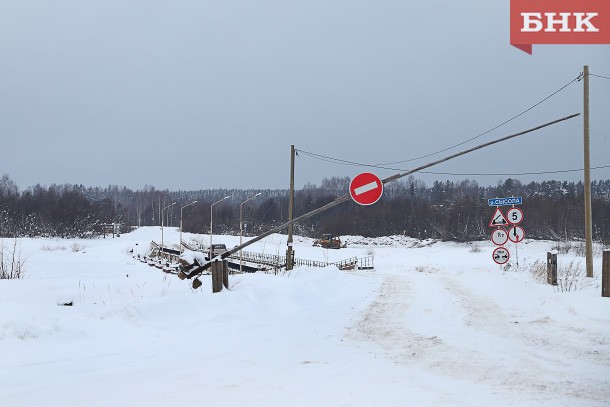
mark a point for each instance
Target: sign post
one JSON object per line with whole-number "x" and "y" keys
{"x": 515, "y": 233}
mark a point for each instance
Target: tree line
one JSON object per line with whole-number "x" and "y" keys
{"x": 446, "y": 210}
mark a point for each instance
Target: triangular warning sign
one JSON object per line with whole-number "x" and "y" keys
{"x": 498, "y": 219}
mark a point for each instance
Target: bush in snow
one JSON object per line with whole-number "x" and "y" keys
{"x": 538, "y": 270}
{"x": 571, "y": 276}
{"x": 77, "y": 247}
{"x": 11, "y": 262}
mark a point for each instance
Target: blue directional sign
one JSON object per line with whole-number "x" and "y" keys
{"x": 513, "y": 200}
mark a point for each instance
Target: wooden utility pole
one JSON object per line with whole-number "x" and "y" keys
{"x": 588, "y": 216}
{"x": 606, "y": 274}
{"x": 289, "y": 252}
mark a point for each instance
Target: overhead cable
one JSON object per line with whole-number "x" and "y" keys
{"x": 492, "y": 129}
{"x": 599, "y": 76}
{"x": 514, "y": 174}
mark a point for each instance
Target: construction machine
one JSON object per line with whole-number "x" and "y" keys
{"x": 328, "y": 241}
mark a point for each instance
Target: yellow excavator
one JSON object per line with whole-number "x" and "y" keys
{"x": 328, "y": 241}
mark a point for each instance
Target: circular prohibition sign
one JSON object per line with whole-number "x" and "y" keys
{"x": 501, "y": 255}
{"x": 514, "y": 215}
{"x": 516, "y": 234}
{"x": 499, "y": 237}
{"x": 366, "y": 188}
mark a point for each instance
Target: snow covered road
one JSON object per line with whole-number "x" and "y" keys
{"x": 435, "y": 324}
{"x": 497, "y": 351}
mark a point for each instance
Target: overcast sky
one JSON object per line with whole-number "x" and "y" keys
{"x": 189, "y": 94}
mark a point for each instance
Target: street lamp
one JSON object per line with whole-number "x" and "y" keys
{"x": 211, "y": 223}
{"x": 241, "y": 226}
{"x": 162, "y": 225}
{"x": 194, "y": 202}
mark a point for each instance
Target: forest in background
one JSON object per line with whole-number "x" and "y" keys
{"x": 445, "y": 210}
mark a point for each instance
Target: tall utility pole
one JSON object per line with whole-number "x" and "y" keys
{"x": 289, "y": 253}
{"x": 185, "y": 206}
{"x": 588, "y": 216}
{"x": 241, "y": 228}
{"x": 212, "y": 223}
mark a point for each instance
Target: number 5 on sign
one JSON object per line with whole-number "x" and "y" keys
{"x": 514, "y": 216}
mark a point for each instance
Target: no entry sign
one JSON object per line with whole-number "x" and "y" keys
{"x": 366, "y": 188}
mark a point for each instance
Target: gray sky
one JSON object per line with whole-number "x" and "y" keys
{"x": 189, "y": 94}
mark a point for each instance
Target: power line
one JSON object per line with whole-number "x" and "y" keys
{"x": 340, "y": 161}
{"x": 384, "y": 165}
{"x": 506, "y": 174}
{"x": 599, "y": 76}
{"x": 597, "y": 133}
{"x": 578, "y": 78}
{"x": 353, "y": 163}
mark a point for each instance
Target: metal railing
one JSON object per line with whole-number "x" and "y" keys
{"x": 271, "y": 260}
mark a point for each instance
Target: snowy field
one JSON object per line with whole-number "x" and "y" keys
{"x": 434, "y": 324}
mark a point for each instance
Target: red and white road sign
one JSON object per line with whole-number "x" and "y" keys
{"x": 499, "y": 237}
{"x": 514, "y": 215}
{"x": 501, "y": 255}
{"x": 516, "y": 234}
{"x": 366, "y": 188}
{"x": 498, "y": 219}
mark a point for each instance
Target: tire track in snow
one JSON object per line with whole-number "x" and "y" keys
{"x": 483, "y": 313}
{"x": 382, "y": 324}
{"x": 538, "y": 353}
{"x": 431, "y": 321}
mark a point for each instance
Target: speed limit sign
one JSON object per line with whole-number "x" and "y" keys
{"x": 514, "y": 216}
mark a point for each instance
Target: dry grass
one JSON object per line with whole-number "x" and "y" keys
{"x": 11, "y": 261}
{"x": 77, "y": 247}
{"x": 475, "y": 248}
{"x": 577, "y": 248}
{"x": 571, "y": 276}
{"x": 56, "y": 248}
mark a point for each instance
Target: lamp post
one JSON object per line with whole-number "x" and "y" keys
{"x": 192, "y": 203}
{"x": 241, "y": 226}
{"x": 211, "y": 223}
{"x": 162, "y": 225}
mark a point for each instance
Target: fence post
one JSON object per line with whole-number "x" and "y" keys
{"x": 217, "y": 276}
{"x": 551, "y": 267}
{"x": 606, "y": 274}
{"x": 225, "y": 273}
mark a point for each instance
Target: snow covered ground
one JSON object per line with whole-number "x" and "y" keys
{"x": 434, "y": 324}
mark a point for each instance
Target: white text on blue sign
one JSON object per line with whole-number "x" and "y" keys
{"x": 514, "y": 200}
